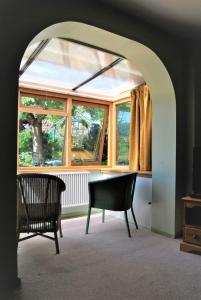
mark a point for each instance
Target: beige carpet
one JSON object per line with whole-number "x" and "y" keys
{"x": 107, "y": 265}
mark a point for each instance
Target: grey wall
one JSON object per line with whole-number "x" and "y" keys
{"x": 196, "y": 66}
{"x": 20, "y": 22}
{"x": 196, "y": 104}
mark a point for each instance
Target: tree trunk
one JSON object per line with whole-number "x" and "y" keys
{"x": 38, "y": 153}
{"x": 37, "y": 141}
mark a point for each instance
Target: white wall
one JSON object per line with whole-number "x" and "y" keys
{"x": 142, "y": 202}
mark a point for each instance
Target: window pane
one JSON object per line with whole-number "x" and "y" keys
{"x": 123, "y": 132}
{"x": 64, "y": 64}
{"x": 87, "y": 135}
{"x": 120, "y": 78}
{"x": 42, "y": 103}
{"x": 41, "y": 140}
{"x": 30, "y": 49}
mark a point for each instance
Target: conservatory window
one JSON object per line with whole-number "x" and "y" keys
{"x": 82, "y": 105}
{"x": 123, "y": 133}
{"x": 54, "y": 131}
{"x": 41, "y": 137}
{"x": 89, "y": 138}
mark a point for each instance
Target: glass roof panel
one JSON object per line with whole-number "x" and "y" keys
{"x": 66, "y": 64}
{"x": 30, "y": 49}
{"x": 116, "y": 80}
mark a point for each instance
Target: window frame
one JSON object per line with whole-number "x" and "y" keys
{"x": 115, "y": 130}
{"x": 105, "y": 123}
{"x": 37, "y": 110}
{"x": 68, "y": 101}
{"x": 117, "y": 136}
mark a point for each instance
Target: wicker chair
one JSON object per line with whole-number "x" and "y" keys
{"x": 114, "y": 194}
{"x": 39, "y": 205}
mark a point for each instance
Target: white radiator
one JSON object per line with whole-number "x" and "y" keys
{"x": 76, "y": 193}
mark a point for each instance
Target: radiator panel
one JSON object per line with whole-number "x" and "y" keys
{"x": 76, "y": 193}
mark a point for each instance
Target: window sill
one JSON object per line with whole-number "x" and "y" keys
{"x": 61, "y": 168}
{"x": 102, "y": 169}
{"x": 126, "y": 170}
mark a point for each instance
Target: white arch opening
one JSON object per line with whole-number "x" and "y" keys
{"x": 164, "y": 111}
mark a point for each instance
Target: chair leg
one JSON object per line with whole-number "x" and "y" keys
{"x": 60, "y": 230}
{"x": 136, "y": 225}
{"x": 103, "y": 215}
{"x": 56, "y": 241}
{"x": 88, "y": 220}
{"x": 127, "y": 224}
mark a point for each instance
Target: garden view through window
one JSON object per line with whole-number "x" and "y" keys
{"x": 41, "y": 136}
{"x": 42, "y": 103}
{"x": 123, "y": 133}
{"x": 89, "y": 143}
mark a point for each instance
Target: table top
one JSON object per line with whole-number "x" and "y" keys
{"x": 103, "y": 176}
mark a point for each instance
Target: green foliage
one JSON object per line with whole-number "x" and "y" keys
{"x": 123, "y": 126}
{"x": 25, "y": 159}
{"x": 91, "y": 119}
{"x": 124, "y": 129}
{"x": 52, "y": 139}
{"x": 25, "y": 140}
{"x": 53, "y": 129}
{"x": 123, "y": 151}
{"x": 43, "y": 103}
{"x": 87, "y": 115}
{"x": 125, "y": 107}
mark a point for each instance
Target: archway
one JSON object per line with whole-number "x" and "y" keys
{"x": 164, "y": 111}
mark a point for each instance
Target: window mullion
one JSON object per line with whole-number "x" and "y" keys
{"x": 68, "y": 138}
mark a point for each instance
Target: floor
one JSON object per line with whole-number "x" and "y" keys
{"x": 106, "y": 265}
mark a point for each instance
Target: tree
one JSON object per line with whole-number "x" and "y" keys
{"x": 36, "y": 125}
{"x": 39, "y": 142}
{"x": 87, "y": 125}
{"x": 123, "y": 129}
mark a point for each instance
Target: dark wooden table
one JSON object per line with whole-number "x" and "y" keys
{"x": 192, "y": 225}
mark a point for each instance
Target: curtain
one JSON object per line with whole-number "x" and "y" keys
{"x": 140, "y": 130}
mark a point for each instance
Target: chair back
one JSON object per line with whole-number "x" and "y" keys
{"x": 114, "y": 193}
{"x": 40, "y": 198}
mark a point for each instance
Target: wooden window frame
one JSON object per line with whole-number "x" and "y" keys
{"x": 114, "y": 121}
{"x": 68, "y": 101}
{"x": 105, "y": 124}
{"x": 115, "y": 167}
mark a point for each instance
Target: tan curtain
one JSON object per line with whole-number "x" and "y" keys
{"x": 140, "y": 130}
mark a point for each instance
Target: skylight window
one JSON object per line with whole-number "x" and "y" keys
{"x": 30, "y": 49}
{"x": 120, "y": 78}
{"x": 66, "y": 64}
{"x": 63, "y": 64}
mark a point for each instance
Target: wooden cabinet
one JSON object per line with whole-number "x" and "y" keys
{"x": 192, "y": 225}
